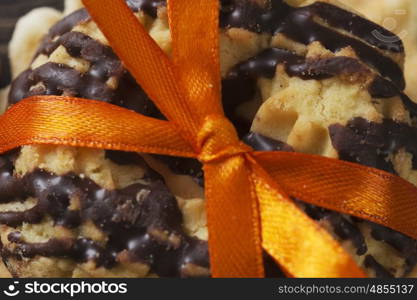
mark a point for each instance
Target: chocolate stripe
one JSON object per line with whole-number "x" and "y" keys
{"x": 380, "y": 271}
{"x": 240, "y": 83}
{"x": 143, "y": 219}
{"x": 371, "y": 144}
{"x": 299, "y": 25}
{"x": 357, "y": 26}
{"x": 150, "y": 7}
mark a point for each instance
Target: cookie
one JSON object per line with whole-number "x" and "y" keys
{"x": 71, "y": 232}
{"x": 398, "y": 16}
{"x": 393, "y": 15}
{"x": 71, "y": 6}
{"x": 306, "y": 78}
{"x": 75, "y": 59}
{"x": 28, "y": 32}
{"x": 326, "y": 96}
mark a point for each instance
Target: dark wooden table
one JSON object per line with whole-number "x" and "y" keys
{"x": 10, "y": 12}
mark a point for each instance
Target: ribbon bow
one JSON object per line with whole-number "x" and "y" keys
{"x": 248, "y": 207}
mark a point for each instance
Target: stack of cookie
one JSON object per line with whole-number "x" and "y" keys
{"x": 306, "y": 76}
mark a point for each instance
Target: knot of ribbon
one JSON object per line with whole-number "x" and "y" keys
{"x": 249, "y": 208}
{"x": 218, "y": 140}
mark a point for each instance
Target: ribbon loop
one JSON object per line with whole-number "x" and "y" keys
{"x": 88, "y": 123}
{"x": 150, "y": 66}
{"x": 217, "y": 140}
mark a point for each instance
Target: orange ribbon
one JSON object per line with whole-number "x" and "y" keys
{"x": 248, "y": 207}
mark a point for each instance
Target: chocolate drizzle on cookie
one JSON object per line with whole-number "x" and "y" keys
{"x": 398, "y": 241}
{"x": 371, "y": 143}
{"x": 278, "y": 17}
{"x": 260, "y": 142}
{"x": 150, "y": 7}
{"x": 267, "y": 16}
{"x": 240, "y": 83}
{"x": 300, "y": 24}
{"x": 65, "y": 25}
{"x": 245, "y": 74}
{"x": 345, "y": 227}
{"x": 238, "y": 86}
{"x": 142, "y": 221}
{"x": 379, "y": 270}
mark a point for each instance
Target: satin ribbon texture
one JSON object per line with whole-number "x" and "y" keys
{"x": 249, "y": 208}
